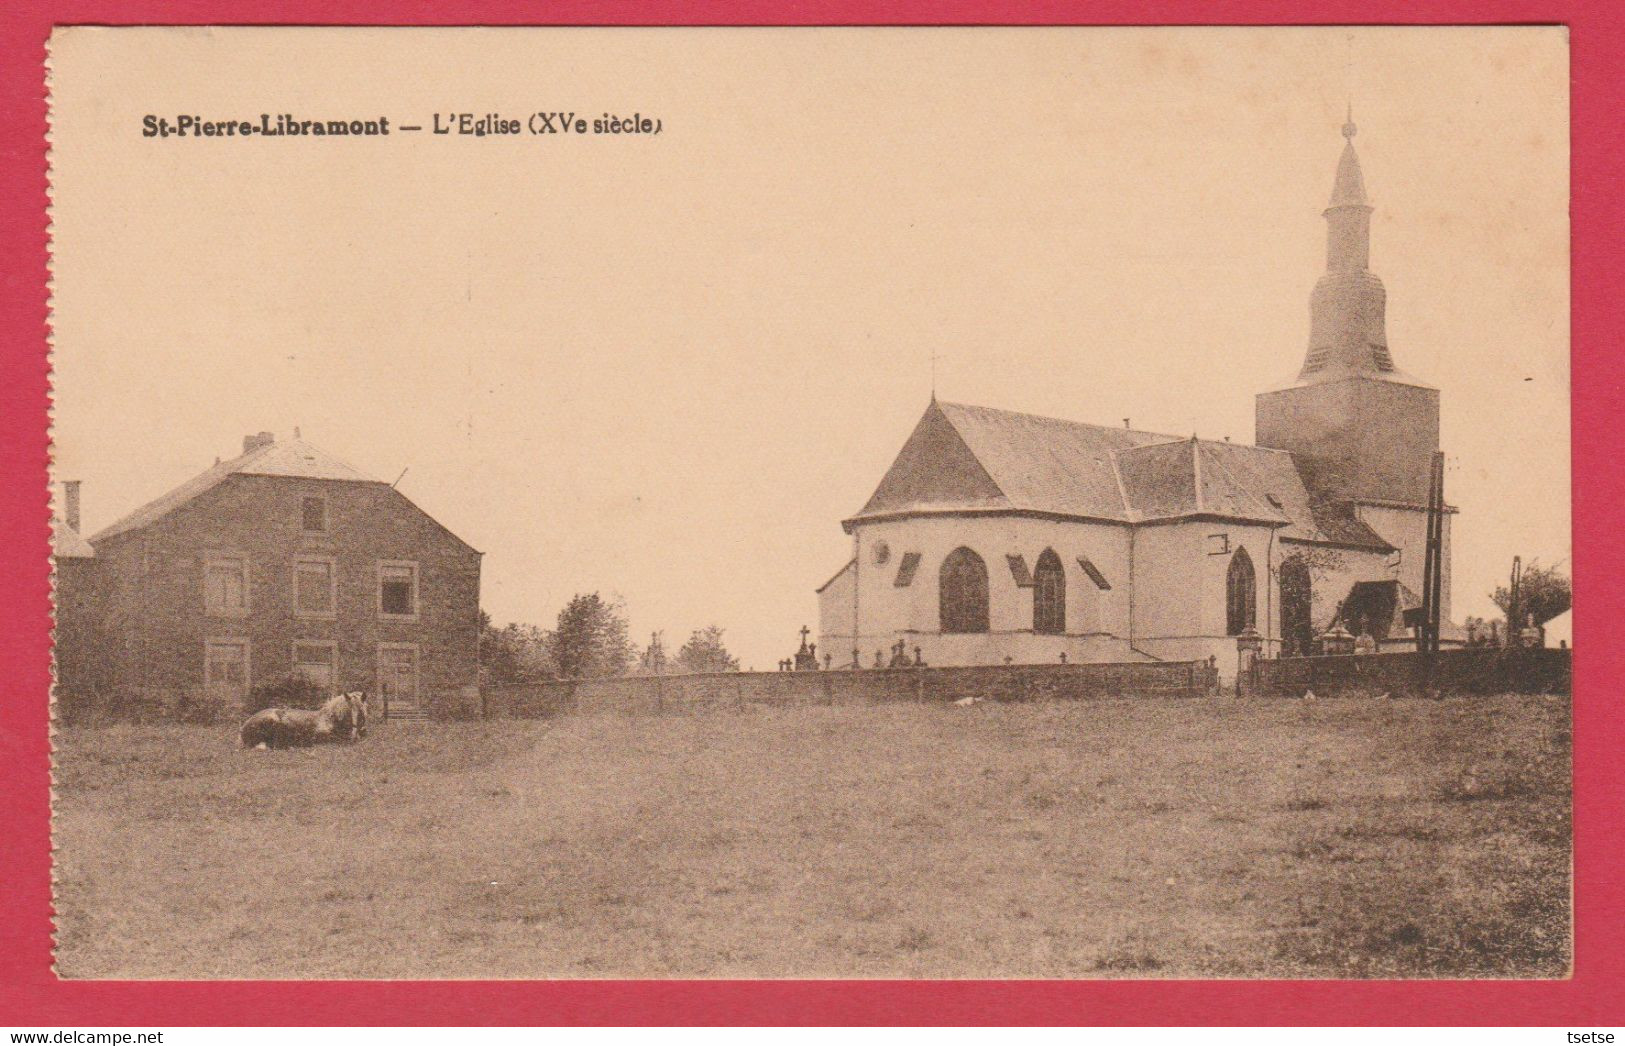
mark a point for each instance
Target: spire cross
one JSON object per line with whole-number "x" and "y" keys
{"x": 1349, "y": 130}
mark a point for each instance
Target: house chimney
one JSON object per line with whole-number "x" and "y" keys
{"x": 70, "y": 504}
{"x": 255, "y": 442}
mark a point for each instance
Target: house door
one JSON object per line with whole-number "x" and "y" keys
{"x": 398, "y": 677}
{"x": 225, "y": 672}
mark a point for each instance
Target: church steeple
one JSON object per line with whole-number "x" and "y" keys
{"x": 1348, "y": 216}
{"x": 1347, "y": 324}
{"x": 1358, "y": 429}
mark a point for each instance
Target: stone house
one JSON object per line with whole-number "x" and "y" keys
{"x": 283, "y": 560}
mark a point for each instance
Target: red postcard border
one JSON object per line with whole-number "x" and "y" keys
{"x": 31, "y": 995}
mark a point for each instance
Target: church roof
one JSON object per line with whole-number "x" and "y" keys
{"x": 963, "y": 458}
{"x": 292, "y": 458}
{"x": 1277, "y": 475}
{"x": 1348, "y": 188}
{"x": 969, "y": 458}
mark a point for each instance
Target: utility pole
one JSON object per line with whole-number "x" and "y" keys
{"x": 1514, "y": 599}
{"x": 1436, "y": 580}
{"x": 1432, "y": 572}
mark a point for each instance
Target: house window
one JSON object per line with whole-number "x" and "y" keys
{"x": 225, "y": 585}
{"x": 314, "y": 515}
{"x": 1049, "y": 595}
{"x": 1240, "y": 594}
{"x": 398, "y": 677}
{"x": 314, "y": 584}
{"x": 317, "y": 661}
{"x": 962, "y": 594}
{"x": 225, "y": 672}
{"x": 398, "y": 589}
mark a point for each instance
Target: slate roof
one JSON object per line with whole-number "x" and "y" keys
{"x": 1276, "y": 473}
{"x": 966, "y": 458}
{"x": 292, "y": 458}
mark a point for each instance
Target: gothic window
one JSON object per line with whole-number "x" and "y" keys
{"x": 1240, "y": 594}
{"x": 963, "y": 592}
{"x": 1297, "y": 633}
{"x": 1049, "y": 595}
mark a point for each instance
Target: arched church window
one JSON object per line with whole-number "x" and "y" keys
{"x": 1049, "y": 595}
{"x": 963, "y": 592}
{"x": 1240, "y": 594}
{"x": 1297, "y": 632}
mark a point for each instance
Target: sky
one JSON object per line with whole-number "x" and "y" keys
{"x": 667, "y": 366}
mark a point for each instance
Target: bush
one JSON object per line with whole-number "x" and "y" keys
{"x": 289, "y": 691}
{"x": 455, "y": 705}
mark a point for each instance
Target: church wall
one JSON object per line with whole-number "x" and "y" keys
{"x": 1314, "y": 422}
{"x": 1332, "y": 573}
{"x": 1407, "y": 529}
{"x": 1180, "y": 588}
{"x": 1167, "y": 584}
{"x": 1097, "y": 620}
{"x": 835, "y": 617}
{"x": 1359, "y": 437}
{"x": 1178, "y": 582}
{"x": 1399, "y": 435}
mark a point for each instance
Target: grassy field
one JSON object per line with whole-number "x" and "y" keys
{"x": 1153, "y": 838}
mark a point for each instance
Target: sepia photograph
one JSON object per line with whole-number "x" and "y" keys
{"x": 785, "y": 503}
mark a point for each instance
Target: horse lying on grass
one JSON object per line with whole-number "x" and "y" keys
{"x": 344, "y": 718}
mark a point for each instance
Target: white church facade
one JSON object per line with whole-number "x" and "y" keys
{"x": 1002, "y": 537}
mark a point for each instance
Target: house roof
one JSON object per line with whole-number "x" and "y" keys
{"x": 966, "y": 458}
{"x": 292, "y": 458}
{"x": 66, "y": 543}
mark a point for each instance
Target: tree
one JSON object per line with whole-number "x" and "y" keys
{"x": 652, "y": 661}
{"x": 705, "y": 652}
{"x": 514, "y": 653}
{"x": 591, "y": 638}
{"x": 1542, "y": 591}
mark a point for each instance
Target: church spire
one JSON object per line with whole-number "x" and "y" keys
{"x": 1347, "y": 325}
{"x": 1348, "y": 215}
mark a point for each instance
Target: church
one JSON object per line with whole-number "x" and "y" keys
{"x": 997, "y": 537}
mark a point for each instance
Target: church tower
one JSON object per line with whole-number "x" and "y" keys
{"x": 1363, "y": 432}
